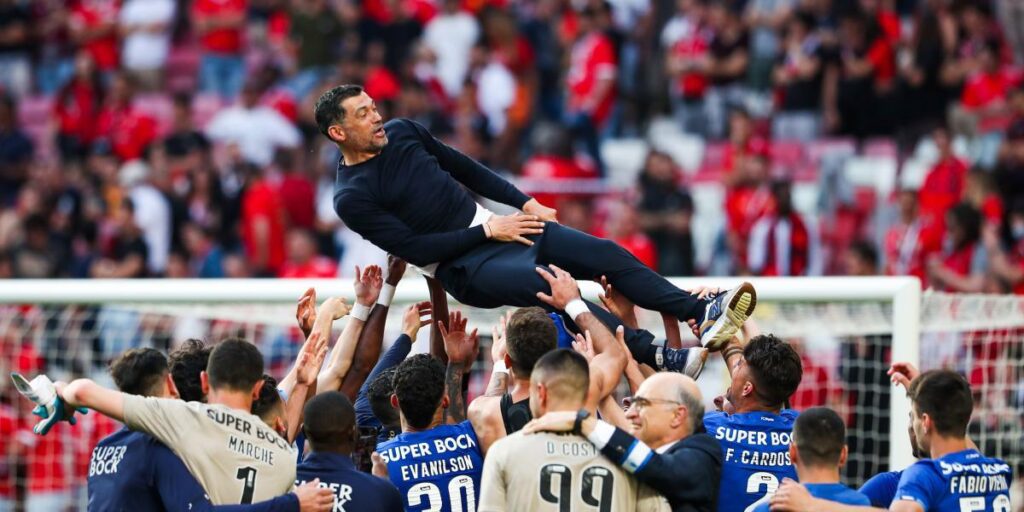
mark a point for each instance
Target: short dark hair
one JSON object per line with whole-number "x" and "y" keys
{"x": 775, "y": 366}
{"x": 530, "y": 334}
{"x": 419, "y": 385}
{"x": 186, "y": 363}
{"x": 866, "y": 251}
{"x": 820, "y": 436}
{"x": 139, "y": 371}
{"x": 329, "y": 420}
{"x": 945, "y": 396}
{"x": 268, "y": 399}
{"x": 565, "y": 373}
{"x": 328, "y": 108}
{"x": 379, "y": 394}
{"x": 235, "y": 364}
{"x": 969, "y": 219}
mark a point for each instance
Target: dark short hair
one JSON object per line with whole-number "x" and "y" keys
{"x": 945, "y": 396}
{"x": 268, "y": 399}
{"x": 329, "y": 420}
{"x": 139, "y": 371}
{"x": 820, "y": 436}
{"x": 969, "y": 219}
{"x": 866, "y": 251}
{"x": 530, "y": 334}
{"x": 328, "y": 108}
{"x": 186, "y": 363}
{"x": 419, "y": 385}
{"x": 235, "y": 364}
{"x": 775, "y": 367}
{"x": 565, "y": 373}
{"x": 379, "y": 394}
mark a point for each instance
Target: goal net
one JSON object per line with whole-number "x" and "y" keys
{"x": 847, "y": 330}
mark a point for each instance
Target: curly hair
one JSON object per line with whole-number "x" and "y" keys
{"x": 378, "y": 392}
{"x": 139, "y": 371}
{"x": 419, "y": 385}
{"x": 186, "y": 363}
{"x": 530, "y": 334}
{"x": 775, "y": 366}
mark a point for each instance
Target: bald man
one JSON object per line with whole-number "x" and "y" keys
{"x": 666, "y": 447}
{"x": 561, "y": 472}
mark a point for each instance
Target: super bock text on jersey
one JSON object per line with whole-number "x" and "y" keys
{"x": 755, "y": 449}
{"x": 437, "y": 470}
{"x": 964, "y": 481}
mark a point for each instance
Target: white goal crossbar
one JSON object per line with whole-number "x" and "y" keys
{"x": 903, "y": 293}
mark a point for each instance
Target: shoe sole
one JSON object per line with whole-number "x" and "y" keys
{"x": 695, "y": 366}
{"x": 740, "y": 306}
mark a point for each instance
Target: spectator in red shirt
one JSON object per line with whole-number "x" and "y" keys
{"x": 782, "y": 243}
{"x": 1007, "y": 265}
{"x": 297, "y": 191}
{"x": 944, "y": 184}
{"x": 126, "y": 128}
{"x": 623, "y": 228}
{"x": 76, "y": 106}
{"x": 961, "y": 265}
{"x": 591, "y": 82}
{"x": 94, "y": 28}
{"x": 866, "y": 70}
{"x": 219, "y": 25}
{"x": 303, "y": 260}
{"x": 747, "y": 195}
{"x": 685, "y": 39}
{"x": 553, "y": 165}
{"x": 264, "y": 220}
{"x": 908, "y": 241}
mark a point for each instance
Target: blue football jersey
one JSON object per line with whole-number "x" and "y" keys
{"x": 438, "y": 469}
{"x": 962, "y": 481}
{"x": 755, "y": 446}
{"x": 352, "y": 489}
{"x": 838, "y": 493}
{"x": 881, "y": 488}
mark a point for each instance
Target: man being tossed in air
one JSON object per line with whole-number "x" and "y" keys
{"x": 402, "y": 189}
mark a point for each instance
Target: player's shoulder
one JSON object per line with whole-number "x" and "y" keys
{"x": 400, "y": 126}
{"x": 704, "y": 442}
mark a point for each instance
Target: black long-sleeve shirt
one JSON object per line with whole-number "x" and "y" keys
{"x": 408, "y": 200}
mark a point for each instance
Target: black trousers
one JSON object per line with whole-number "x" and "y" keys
{"x": 497, "y": 274}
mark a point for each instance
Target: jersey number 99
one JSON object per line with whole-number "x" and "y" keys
{"x": 562, "y": 496}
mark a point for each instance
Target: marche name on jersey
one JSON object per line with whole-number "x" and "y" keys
{"x": 414, "y": 470}
{"x": 992, "y": 477}
{"x": 779, "y": 441}
{"x": 245, "y": 447}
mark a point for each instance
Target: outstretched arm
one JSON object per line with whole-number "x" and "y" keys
{"x": 462, "y": 348}
{"x": 367, "y": 284}
{"x": 86, "y": 393}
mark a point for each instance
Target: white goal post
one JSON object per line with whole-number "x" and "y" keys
{"x": 902, "y": 293}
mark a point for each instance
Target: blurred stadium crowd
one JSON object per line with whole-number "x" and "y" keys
{"x": 765, "y": 137}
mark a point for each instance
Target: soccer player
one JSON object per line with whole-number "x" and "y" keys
{"x": 547, "y": 471}
{"x": 529, "y": 334}
{"x": 132, "y": 471}
{"x": 235, "y": 456}
{"x": 435, "y": 466}
{"x": 330, "y": 428}
{"x": 401, "y": 189}
{"x": 664, "y": 447}
{"x": 957, "y": 477}
{"x": 755, "y": 438}
{"x": 818, "y": 450}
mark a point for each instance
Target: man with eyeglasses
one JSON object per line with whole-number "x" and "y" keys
{"x": 666, "y": 447}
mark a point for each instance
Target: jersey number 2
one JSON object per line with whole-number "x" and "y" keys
{"x": 248, "y": 477}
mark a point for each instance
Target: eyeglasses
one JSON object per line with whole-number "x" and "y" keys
{"x": 639, "y": 402}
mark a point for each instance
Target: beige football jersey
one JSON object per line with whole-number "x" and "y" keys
{"x": 233, "y": 454}
{"x": 558, "y": 473}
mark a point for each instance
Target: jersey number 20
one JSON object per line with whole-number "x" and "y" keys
{"x": 433, "y": 495}
{"x": 563, "y": 498}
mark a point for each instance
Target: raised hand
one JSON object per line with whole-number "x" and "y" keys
{"x": 498, "y": 347}
{"x": 311, "y": 359}
{"x": 334, "y": 308}
{"x": 533, "y": 207}
{"x": 368, "y": 284}
{"x": 396, "y": 269}
{"x": 513, "y": 228}
{"x": 416, "y": 316}
{"x": 305, "y": 312}
{"x": 903, "y": 373}
{"x": 563, "y": 287}
{"x": 617, "y": 303}
{"x": 584, "y": 345}
{"x": 460, "y": 346}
